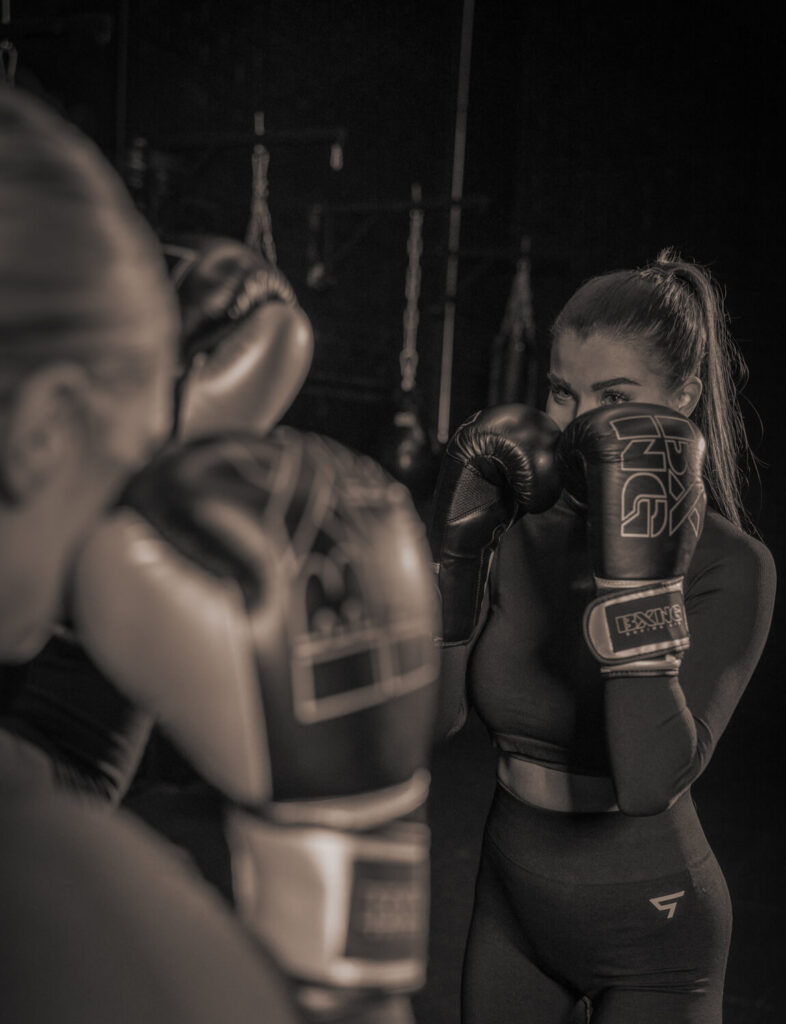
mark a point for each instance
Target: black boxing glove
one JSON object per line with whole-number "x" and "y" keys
{"x": 246, "y": 345}
{"x": 637, "y": 470}
{"x": 499, "y": 465}
{"x": 269, "y": 600}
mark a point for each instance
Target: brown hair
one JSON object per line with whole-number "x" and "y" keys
{"x": 677, "y": 309}
{"x": 82, "y": 276}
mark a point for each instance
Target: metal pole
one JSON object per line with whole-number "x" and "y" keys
{"x": 454, "y": 227}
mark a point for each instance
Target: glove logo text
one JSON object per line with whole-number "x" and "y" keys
{"x": 665, "y": 617}
{"x": 654, "y": 497}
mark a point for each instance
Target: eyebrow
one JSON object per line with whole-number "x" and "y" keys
{"x": 599, "y": 386}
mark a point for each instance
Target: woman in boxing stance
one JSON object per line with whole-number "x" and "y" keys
{"x": 604, "y": 641}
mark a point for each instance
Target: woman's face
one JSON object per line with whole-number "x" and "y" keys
{"x": 139, "y": 418}
{"x": 601, "y": 370}
{"x": 71, "y": 446}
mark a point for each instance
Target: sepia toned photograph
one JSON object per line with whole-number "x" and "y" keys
{"x": 391, "y": 512}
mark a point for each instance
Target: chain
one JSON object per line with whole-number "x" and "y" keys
{"x": 408, "y": 359}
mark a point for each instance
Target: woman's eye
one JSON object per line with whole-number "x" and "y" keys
{"x": 559, "y": 394}
{"x": 614, "y": 397}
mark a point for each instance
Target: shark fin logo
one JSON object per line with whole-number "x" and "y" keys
{"x": 667, "y": 903}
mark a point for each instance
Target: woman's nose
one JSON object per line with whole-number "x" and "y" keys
{"x": 585, "y": 403}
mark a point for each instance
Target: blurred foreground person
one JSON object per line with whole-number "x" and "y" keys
{"x": 269, "y": 603}
{"x": 244, "y": 348}
{"x": 100, "y": 921}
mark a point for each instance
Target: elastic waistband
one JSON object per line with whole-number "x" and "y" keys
{"x": 596, "y": 848}
{"x": 552, "y": 789}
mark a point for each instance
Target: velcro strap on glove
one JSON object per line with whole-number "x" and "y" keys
{"x": 341, "y": 909}
{"x": 641, "y": 627}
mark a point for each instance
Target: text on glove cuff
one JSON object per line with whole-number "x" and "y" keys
{"x": 636, "y": 623}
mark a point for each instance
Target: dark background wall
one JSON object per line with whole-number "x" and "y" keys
{"x": 600, "y": 132}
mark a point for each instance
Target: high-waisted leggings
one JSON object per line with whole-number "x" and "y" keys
{"x": 624, "y": 919}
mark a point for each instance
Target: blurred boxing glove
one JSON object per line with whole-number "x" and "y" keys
{"x": 638, "y": 471}
{"x": 246, "y": 345}
{"x": 498, "y": 465}
{"x": 270, "y": 601}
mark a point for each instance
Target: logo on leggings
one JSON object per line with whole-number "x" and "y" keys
{"x": 667, "y": 903}
{"x": 655, "y": 459}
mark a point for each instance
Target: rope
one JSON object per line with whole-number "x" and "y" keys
{"x": 516, "y": 334}
{"x": 259, "y": 233}
{"x": 519, "y": 318}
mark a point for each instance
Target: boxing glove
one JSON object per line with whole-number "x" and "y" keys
{"x": 499, "y": 465}
{"x": 246, "y": 345}
{"x": 637, "y": 470}
{"x": 269, "y": 600}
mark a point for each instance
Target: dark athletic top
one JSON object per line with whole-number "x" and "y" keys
{"x": 534, "y": 683}
{"x": 61, "y": 705}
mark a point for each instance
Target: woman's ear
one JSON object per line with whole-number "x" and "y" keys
{"x": 43, "y": 430}
{"x": 688, "y": 394}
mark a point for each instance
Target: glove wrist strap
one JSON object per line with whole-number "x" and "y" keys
{"x": 637, "y": 627}
{"x": 347, "y": 910}
{"x": 643, "y": 668}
